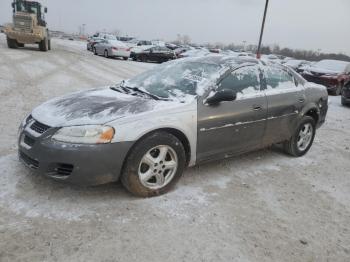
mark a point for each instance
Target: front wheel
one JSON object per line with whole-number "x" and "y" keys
{"x": 43, "y": 45}
{"x": 154, "y": 165}
{"x": 300, "y": 143}
{"x": 12, "y": 43}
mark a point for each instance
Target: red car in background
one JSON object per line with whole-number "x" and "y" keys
{"x": 333, "y": 74}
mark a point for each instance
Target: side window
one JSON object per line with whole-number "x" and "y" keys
{"x": 243, "y": 80}
{"x": 277, "y": 78}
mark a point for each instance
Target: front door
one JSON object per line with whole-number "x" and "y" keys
{"x": 237, "y": 126}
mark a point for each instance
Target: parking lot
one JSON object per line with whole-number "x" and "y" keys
{"x": 263, "y": 206}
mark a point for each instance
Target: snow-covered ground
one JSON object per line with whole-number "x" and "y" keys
{"x": 263, "y": 206}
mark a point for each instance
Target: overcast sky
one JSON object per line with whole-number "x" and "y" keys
{"x": 304, "y": 24}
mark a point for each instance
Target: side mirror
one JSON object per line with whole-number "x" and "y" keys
{"x": 221, "y": 96}
{"x": 45, "y": 10}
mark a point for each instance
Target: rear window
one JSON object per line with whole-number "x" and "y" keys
{"x": 277, "y": 78}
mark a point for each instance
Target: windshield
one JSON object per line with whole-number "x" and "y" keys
{"x": 176, "y": 79}
{"x": 30, "y": 7}
{"x": 333, "y": 65}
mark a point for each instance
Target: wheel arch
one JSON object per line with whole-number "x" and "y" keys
{"x": 175, "y": 132}
{"x": 312, "y": 111}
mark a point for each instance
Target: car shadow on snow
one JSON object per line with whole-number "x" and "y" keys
{"x": 200, "y": 175}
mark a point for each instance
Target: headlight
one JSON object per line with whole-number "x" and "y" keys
{"x": 85, "y": 134}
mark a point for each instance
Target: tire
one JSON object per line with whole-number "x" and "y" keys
{"x": 12, "y": 43}
{"x": 106, "y": 54}
{"x": 95, "y": 51}
{"x": 20, "y": 45}
{"x": 295, "y": 146}
{"x": 125, "y": 58}
{"x": 43, "y": 45}
{"x": 159, "y": 179}
{"x": 49, "y": 44}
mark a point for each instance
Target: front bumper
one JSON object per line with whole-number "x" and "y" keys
{"x": 24, "y": 37}
{"x": 73, "y": 163}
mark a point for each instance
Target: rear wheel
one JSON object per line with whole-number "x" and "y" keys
{"x": 302, "y": 140}
{"x": 95, "y": 51}
{"x": 125, "y": 58}
{"x": 49, "y": 45}
{"x": 106, "y": 54}
{"x": 20, "y": 45}
{"x": 154, "y": 165}
{"x": 12, "y": 43}
{"x": 43, "y": 45}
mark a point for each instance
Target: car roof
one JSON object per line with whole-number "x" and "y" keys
{"x": 226, "y": 61}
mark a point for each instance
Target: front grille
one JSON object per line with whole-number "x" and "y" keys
{"x": 64, "y": 169}
{"x": 39, "y": 127}
{"x": 28, "y": 140}
{"x": 24, "y": 23}
{"x": 32, "y": 163}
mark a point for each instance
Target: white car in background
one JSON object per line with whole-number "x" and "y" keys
{"x": 138, "y": 46}
{"x": 112, "y": 48}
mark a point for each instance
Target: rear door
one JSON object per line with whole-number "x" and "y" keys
{"x": 285, "y": 97}
{"x": 236, "y": 126}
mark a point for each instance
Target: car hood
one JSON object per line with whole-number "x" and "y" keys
{"x": 323, "y": 71}
{"x": 93, "y": 107}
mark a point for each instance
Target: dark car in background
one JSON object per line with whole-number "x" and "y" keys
{"x": 157, "y": 54}
{"x": 298, "y": 65}
{"x": 333, "y": 74}
{"x": 345, "y": 96}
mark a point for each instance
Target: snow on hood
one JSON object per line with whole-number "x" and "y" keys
{"x": 93, "y": 107}
{"x": 322, "y": 71}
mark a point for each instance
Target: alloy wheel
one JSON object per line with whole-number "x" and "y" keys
{"x": 158, "y": 167}
{"x": 305, "y": 137}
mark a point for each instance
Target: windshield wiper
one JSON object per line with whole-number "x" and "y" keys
{"x": 135, "y": 89}
{"x": 122, "y": 88}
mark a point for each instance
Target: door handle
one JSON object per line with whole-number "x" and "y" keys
{"x": 257, "y": 107}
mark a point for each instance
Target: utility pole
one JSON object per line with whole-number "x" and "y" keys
{"x": 258, "y": 53}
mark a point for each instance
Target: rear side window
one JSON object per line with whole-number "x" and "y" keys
{"x": 277, "y": 78}
{"x": 243, "y": 80}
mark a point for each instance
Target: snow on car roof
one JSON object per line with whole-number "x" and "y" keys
{"x": 334, "y": 65}
{"x": 224, "y": 60}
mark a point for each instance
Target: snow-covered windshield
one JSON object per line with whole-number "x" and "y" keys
{"x": 176, "y": 79}
{"x": 333, "y": 65}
